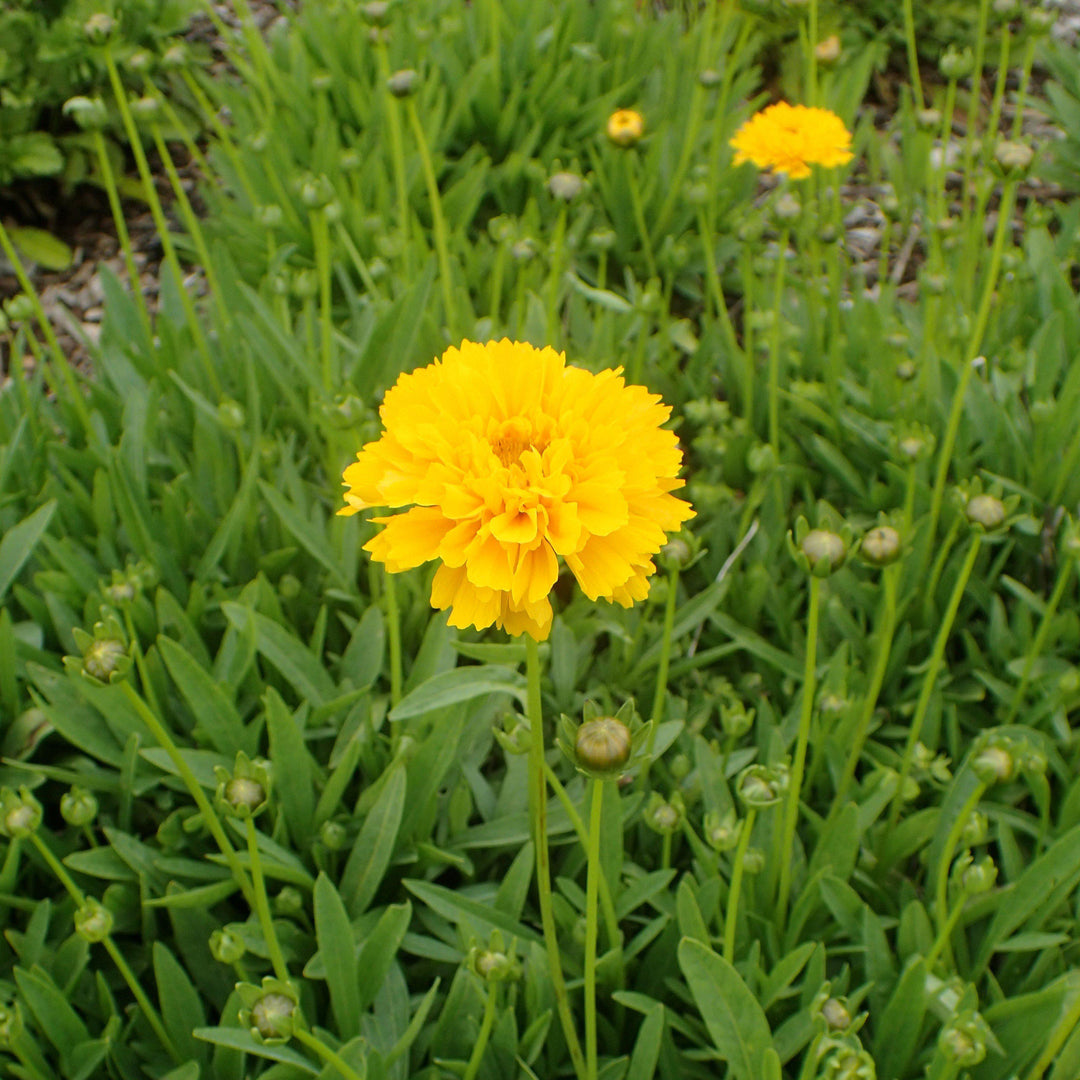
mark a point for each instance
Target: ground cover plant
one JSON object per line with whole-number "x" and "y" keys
{"x": 280, "y": 800}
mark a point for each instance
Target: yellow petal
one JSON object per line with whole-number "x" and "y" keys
{"x": 409, "y": 539}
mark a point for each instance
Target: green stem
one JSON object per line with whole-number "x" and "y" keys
{"x": 712, "y": 278}
{"x": 206, "y": 808}
{"x": 490, "y": 1008}
{"x": 941, "y": 885}
{"x": 594, "y": 873}
{"x": 746, "y": 272}
{"x": 315, "y": 1044}
{"x": 109, "y": 183}
{"x": 1021, "y": 93}
{"x": 393, "y": 628}
{"x": 74, "y": 395}
{"x": 886, "y": 629}
{"x": 126, "y": 973}
{"x": 774, "y": 346}
{"x": 936, "y": 659}
{"x": 538, "y": 813}
{"x": 442, "y": 248}
{"x": 639, "y": 212}
{"x": 791, "y": 805}
{"x": 160, "y": 221}
{"x": 1004, "y": 223}
{"x": 660, "y": 692}
{"x": 320, "y": 232}
{"x": 397, "y": 153}
{"x": 262, "y": 904}
{"x": 912, "y": 53}
{"x": 930, "y": 585}
{"x": 1036, "y": 647}
{"x": 973, "y": 102}
{"x": 554, "y": 323}
{"x": 945, "y": 932}
{"x": 607, "y": 906}
{"x": 1057, "y": 1040}
{"x": 811, "y": 88}
{"x": 731, "y": 915}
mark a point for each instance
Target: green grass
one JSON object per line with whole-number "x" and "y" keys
{"x": 911, "y": 912}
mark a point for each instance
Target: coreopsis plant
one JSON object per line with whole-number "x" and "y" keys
{"x": 509, "y": 459}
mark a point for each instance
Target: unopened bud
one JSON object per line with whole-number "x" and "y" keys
{"x": 272, "y": 1016}
{"x": 828, "y": 51}
{"x": 993, "y": 765}
{"x": 93, "y": 921}
{"x": 987, "y": 511}
{"x": 881, "y": 546}
{"x": 227, "y": 946}
{"x": 823, "y": 549}
{"x": 99, "y": 28}
{"x": 78, "y": 807}
{"x": 1013, "y": 156}
{"x": 565, "y": 186}
{"x": 404, "y": 83}
{"x": 625, "y": 127}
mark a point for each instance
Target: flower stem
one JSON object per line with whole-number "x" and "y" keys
{"x": 442, "y": 248}
{"x": 774, "y": 346}
{"x": 731, "y": 915}
{"x": 397, "y": 153}
{"x": 126, "y": 973}
{"x": 712, "y": 278}
{"x": 941, "y": 886}
{"x": 262, "y": 904}
{"x": 109, "y": 182}
{"x": 886, "y": 628}
{"x": 811, "y": 82}
{"x": 206, "y": 808}
{"x": 936, "y": 659}
{"x": 746, "y": 272}
{"x": 592, "y": 878}
{"x": 791, "y": 805}
{"x": 315, "y": 1044}
{"x": 491, "y": 1005}
{"x": 393, "y": 633}
{"x": 554, "y": 276}
{"x": 1036, "y": 647}
{"x": 657, "y": 713}
{"x": 161, "y": 222}
{"x": 538, "y": 813}
{"x": 639, "y": 213}
{"x": 320, "y": 233}
{"x": 912, "y": 53}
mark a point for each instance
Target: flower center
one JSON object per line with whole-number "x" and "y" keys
{"x": 511, "y": 439}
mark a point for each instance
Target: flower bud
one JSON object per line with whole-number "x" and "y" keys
{"x": 676, "y": 553}
{"x": 272, "y": 1017}
{"x": 976, "y": 829}
{"x": 1006, "y": 9}
{"x": 753, "y": 861}
{"x": 1013, "y": 156}
{"x": 141, "y": 62}
{"x": 104, "y": 658}
{"x": 835, "y": 1013}
{"x": 565, "y": 186}
{"x": 601, "y": 239}
{"x": 1038, "y": 20}
{"x": 957, "y": 63}
{"x": 99, "y": 28}
{"x": 334, "y": 835}
{"x": 20, "y": 814}
{"x": 787, "y": 207}
{"x": 244, "y": 792}
{"x": 828, "y": 51}
{"x": 881, "y": 546}
{"x": 227, "y": 946}
{"x": 175, "y": 57}
{"x": 928, "y": 119}
{"x": 231, "y": 415}
{"x": 11, "y": 1025}
{"x": 848, "y": 1061}
{"x": 906, "y": 370}
{"x": 735, "y": 718}
{"x": 978, "y": 877}
{"x": 315, "y": 192}
{"x": 824, "y": 550}
{"x": 603, "y": 745}
{"x": 761, "y": 786}
{"x": 89, "y": 114}
{"x": 523, "y": 250}
{"x": 625, "y": 127}
{"x": 93, "y": 921}
{"x": 146, "y": 108}
{"x": 709, "y": 78}
{"x": 993, "y": 764}
{"x": 404, "y": 83}
{"x": 722, "y": 833}
{"x": 376, "y": 12}
{"x": 664, "y": 817}
{"x": 78, "y": 807}
{"x": 987, "y": 511}
{"x": 270, "y": 216}
{"x": 963, "y": 1039}
{"x": 289, "y": 902}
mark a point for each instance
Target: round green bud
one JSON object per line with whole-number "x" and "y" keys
{"x": 906, "y": 370}
{"x": 99, "y": 28}
{"x": 289, "y": 901}
{"x": 881, "y": 546}
{"x": 272, "y": 1016}
{"x": 376, "y": 12}
{"x": 227, "y": 946}
{"x": 709, "y": 78}
{"x": 175, "y": 57}
{"x": 722, "y": 833}
{"x": 243, "y": 791}
{"x": 761, "y": 786}
{"x": 835, "y": 1013}
{"x": 523, "y": 250}
{"x": 957, "y": 63}
{"x": 21, "y": 820}
{"x": 602, "y": 239}
{"x": 928, "y": 119}
{"x": 753, "y": 861}
{"x": 88, "y": 113}
{"x": 986, "y": 511}
{"x": 93, "y": 921}
{"x": 979, "y": 877}
{"x": 962, "y": 1040}
{"x": 1013, "y": 156}
{"x": 976, "y": 829}
{"x": 103, "y": 658}
{"x": 787, "y": 207}
{"x": 141, "y": 62}
{"x": 78, "y": 807}
{"x": 334, "y": 835}
{"x": 565, "y": 186}
{"x": 231, "y": 415}
{"x": 404, "y": 83}
{"x": 145, "y": 108}
{"x": 993, "y": 765}
{"x": 603, "y": 745}
{"x": 823, "y": 549}
{"x": 270, "y": 216}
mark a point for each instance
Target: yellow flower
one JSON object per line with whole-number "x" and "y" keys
{"x": 509, "y": 458}
{"x": 790, "y": 138}
{"x": 625, "y": 127}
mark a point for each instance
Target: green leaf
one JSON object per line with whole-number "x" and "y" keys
{"x": 374, "y": 846}
{"x": 19, "y": 543}
{"x": 897, "y": 1034}
{"x": 239, "y": 1039}
{"x": 379, "y": 950}
{"x": 215, "y": 713}
{"x": 461, "y": 909}
{"x": 457, "y": 685}
{"x": 181, "y": 1006}
{"x": 647, "y": 1046}
{"x": 56, "y": 1018}
{"x": 309, "y": 536}
{"x": 41, "y": 247}
{"x": 285, "y": 651}
{"x": 334, "y": 935}
{"x": 294, "y": 779}
{"x": 732, "y": 1014}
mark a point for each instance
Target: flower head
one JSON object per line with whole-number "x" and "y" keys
{"x": 625, "y": 127}
{"x": 790, "y": 138}
{"x": 510, "y": 458}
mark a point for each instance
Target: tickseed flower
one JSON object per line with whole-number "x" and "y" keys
{"x": 509, "y": 458}
{"x": 790, "y": 138}
{"x": 625, "y": 127}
